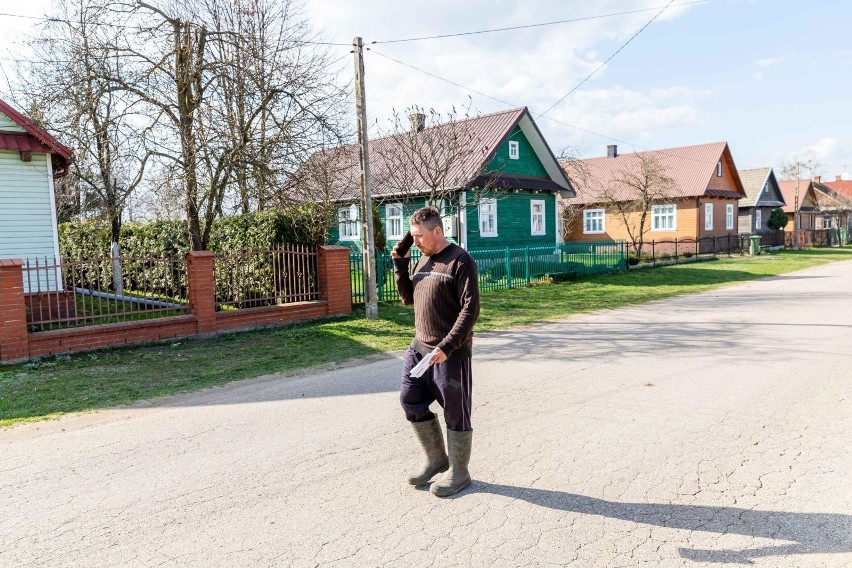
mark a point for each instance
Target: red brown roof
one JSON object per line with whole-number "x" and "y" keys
{"x": 691, "y": 168}
{"x": 806, "y": 196}
{"x": 22, "y": 141}
{"x": 35, "y": 139}
{"x": 841, "y": 186}
{"x": 483, "y": 135}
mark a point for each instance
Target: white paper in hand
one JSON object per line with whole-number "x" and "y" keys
{"x": 421, "y": 367}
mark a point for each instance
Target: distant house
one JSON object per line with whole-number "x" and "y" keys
{"x": 700, "y": 201}
{"x": 799, "y": 198}
{"x": 763, "y": 195}
{"x": 835, "y": 203}
{"x": 841, "y": 185}
{"x": 501, "y": 190}
{"x": 30, "y": 160}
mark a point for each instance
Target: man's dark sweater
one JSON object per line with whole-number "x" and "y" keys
{"x": 445, "y": 294}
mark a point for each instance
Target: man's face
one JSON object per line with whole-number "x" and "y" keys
{"x": 427, "y": 241}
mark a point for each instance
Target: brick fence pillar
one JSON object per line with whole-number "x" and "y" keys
{"x": 202, "y": 289}
{"x": 334, "y": 279}
{"x": 14, "y": 344}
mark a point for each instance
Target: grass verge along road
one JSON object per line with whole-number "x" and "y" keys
{"x": 72, "y": 383}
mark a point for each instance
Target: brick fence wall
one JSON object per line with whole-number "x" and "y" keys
{"x": 16, "y": 344}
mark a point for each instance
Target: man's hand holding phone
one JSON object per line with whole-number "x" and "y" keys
{"x": 402, "y": 249}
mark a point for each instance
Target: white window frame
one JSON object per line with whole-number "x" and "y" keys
{"x": 729, "y": 216}
{"x": 719, "y": 169}
{"x": 348, "y": 225}
{"x": 537, "y": 218}
{"x": 758, "y": 219}
{"x": 487, "y": 217}
{"x": 594, "y": 221}
{"x": 708, "y": 216}
{"x": 661, "y": 215}
{"x": 514, "y": 150}
{"x": 393, "y": 220}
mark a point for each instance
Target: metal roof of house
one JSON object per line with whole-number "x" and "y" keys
{"x": 691, "y": 168}
{"x": 829, "y": 198}
{"x": 22, "y": 141}
{"x": 39, "y": 133}
{"x": 841, "y": 186}
{"x": 754, "y": 180}
{"x": 36, "y": 139}
{"x": 806, "y": 194}
{"x": 485, "y": 134}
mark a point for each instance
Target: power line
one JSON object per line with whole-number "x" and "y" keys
{"x": 22, "y": 16}
{"x": 599, "y": 67}
{"x": 443, "y": 79}
{"x": 528, "y": 26}
{"x": 125, "y": 27}
{"x": 507, "y": 103}
{"x": 540, "y": 115}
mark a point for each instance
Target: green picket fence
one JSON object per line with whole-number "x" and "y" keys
{"x": 508, "y": 267}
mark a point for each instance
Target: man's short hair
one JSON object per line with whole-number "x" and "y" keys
{"x": 428, "y": 217}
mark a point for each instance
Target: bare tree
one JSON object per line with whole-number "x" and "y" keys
{"x": 216, "y": 88}
{"x": 632, "y": 191}
{"x": 63, "y": 86}
{"x": 278, "y": 103}
{"x": 324, "y": 181}
{"x": 792, "y": 170}
{"x": 576, "y": 170}
{"x": 432, "y": 155}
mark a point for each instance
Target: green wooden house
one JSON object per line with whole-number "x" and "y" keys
{"x": 493, "y": 177}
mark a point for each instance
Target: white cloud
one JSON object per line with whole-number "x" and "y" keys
{"x": 822, "y": 150}
{"x": 634, "y": 115}
{"x": 767, "y": 61}
{"x": 534, "y": 67}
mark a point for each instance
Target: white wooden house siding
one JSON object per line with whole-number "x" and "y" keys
{"x": 27, "y": 210}
{"x": 8, "y": 124}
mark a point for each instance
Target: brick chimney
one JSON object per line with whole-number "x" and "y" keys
{"x": 418, "y": 122}
{"x": 838, "y": 178}
{"x": 612, "y": 151}
{"x": 817, "y": 179}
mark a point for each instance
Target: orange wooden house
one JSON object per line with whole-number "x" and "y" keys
{"x": 700, "y": 199}
{"x": 799, "y": 197}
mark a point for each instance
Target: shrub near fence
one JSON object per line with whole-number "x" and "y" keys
{"x": 508, "y": 267}
{"x": 305, "y": 284}
{"x": 281, "y": 275}
{"x": 261, "y": 231}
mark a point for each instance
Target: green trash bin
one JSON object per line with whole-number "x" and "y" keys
{"x": 754, "y": 245}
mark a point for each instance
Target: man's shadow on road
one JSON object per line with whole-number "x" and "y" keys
{"x": 810, "y": 533}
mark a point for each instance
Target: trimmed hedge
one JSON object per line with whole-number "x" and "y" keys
{"x": 170, "y": 239}
{"x": 90, "y": 240}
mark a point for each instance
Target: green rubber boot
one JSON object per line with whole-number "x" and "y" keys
{"x": 457, "y": 477}
{"x": 432, "y": 439}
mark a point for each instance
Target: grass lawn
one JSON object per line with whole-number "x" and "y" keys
{"x": 90, "y": 381}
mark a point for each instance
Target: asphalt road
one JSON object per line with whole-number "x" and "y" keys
{"x": 704, "y": 430}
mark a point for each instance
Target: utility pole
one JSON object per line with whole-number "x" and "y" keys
{"x": 796, "y": 211}
{"x": 368, "y": 246}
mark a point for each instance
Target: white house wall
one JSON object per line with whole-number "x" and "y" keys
{"x": 7, "y": 124}
{"x": 27, "y": 226}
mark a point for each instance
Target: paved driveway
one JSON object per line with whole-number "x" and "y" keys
{"x": 709, "y": 429}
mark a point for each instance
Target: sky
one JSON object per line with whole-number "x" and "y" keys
{"x": 770, "y": 77}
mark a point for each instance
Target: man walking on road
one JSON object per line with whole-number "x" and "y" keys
{"x": 445, "y": 294}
